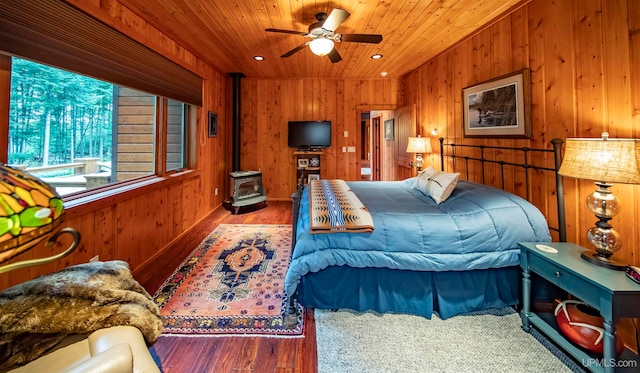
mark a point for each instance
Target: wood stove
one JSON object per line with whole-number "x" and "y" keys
{"x": 247, "y": 189}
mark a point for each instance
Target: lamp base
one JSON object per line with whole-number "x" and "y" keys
{"x": 610, "y": 262}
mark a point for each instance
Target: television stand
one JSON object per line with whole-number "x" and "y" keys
{"x": 308, "y": 163}
{"x": 309, "y": 150}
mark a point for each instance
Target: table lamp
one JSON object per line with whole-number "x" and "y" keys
{"x": 419, "y": 145}
{"x": 30, "y": 211}
{"x": 605, "y": 161}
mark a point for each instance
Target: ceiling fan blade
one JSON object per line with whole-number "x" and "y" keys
{"x": 334, "y": 56}
{"x": 361, "y": 38}
{"x": 286, "y": 31}
{"x": 294, "y": 50}
{"x": 335, "y": 19}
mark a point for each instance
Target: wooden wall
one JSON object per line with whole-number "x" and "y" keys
{"x": 135, "y": 126}
{"x": 137, "y": 226}
{"x": 584, "y": 57}
{"x": 268, "y": 105}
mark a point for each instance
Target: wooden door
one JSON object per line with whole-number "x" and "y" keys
{"x": 375, "y": 158}
{"x": 405, "y": 126}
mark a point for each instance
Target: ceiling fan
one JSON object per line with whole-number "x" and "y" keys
{"x": 323, "y": 35}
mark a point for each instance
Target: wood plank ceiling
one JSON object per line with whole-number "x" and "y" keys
{"x": 229, "y": 33}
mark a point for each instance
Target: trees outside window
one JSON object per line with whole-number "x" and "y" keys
{"x": 78, "y": 133}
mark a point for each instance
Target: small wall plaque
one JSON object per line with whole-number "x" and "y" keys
{"x": 213, "y": 124}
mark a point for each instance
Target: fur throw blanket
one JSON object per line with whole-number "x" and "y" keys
{"x": 37, "y": 314}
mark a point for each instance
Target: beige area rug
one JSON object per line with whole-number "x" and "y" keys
{"x": 350, "y": 342}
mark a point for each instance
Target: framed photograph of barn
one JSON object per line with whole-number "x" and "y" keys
{"x": 500, "y": 107}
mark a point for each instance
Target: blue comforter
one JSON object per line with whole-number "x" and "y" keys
{"x": 477, "y": 227}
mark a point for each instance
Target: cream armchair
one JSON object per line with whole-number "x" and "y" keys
{"x": 116, "y": 349}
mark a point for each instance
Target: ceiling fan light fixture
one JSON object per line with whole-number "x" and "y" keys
{"x": 376, "y": 56}
{"x": 258, "y": 58}
{"x": 321, "y": 46}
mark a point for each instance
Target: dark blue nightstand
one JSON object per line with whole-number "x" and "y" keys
{"x": 606, "y": 290}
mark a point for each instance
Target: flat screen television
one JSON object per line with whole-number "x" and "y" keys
{"x": 309, "y": 134}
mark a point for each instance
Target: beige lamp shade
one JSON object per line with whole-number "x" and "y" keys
{"x": 419, "y": 145}
{"x": 602, "y": 159}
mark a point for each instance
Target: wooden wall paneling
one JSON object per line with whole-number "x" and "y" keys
{"x": 278, "y": 124}
{"x": 350, "y": 117}
{"x": 617, "y": 105}
{"x": 350, "y": 98}
{"x": 590, "y": 116}
{"x": 335, "y": 161}
{"x": 130, "y": 234}
{"x": 192, "y": 208}
{"x": 271, "y": 124}
{"x": 519, "y": 52}
{"x": 429, "y": 118}
{"x": 533, "y": 24}
{"x": 98, "y": 235}
{"x": 205, "y": 159}
{"x": 502, "y": 63}
{"x": 559, "y": 103}
{"x": 440, "y": 112}
{"x": 634, "y": 121}
{"x": 292, "y": 109}
{"x": 334, "y": 155}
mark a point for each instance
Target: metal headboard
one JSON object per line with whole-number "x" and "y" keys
{"x": 525, "y": 151}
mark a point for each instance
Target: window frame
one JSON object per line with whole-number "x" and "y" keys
{"x": 95, "y": 198}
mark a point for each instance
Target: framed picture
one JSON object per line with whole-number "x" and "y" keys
{"x": 388, "y": 129}
{"x": 213, "y": 124}
{"x": 500, "y": 107}
{"x": 313, "y": 177}
{"x": 303, "y": 162}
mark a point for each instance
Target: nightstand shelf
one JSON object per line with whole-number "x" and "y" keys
{"x": 608, "y": 291}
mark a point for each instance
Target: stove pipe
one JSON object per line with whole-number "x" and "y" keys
{"x": 235, "y": 120}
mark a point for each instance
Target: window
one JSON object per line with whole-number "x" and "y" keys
{"x": 177, "y": 114}
{"x": 78, "y": 133}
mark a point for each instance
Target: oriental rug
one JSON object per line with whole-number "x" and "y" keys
{"x": 232, "y": 284}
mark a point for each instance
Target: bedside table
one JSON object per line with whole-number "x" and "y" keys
{"x": 606, "y": 290}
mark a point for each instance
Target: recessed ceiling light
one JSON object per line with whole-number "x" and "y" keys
{"x": 258, "y": 58}
{"x": 376, "y": 56}
{"x": 384, "y": 73}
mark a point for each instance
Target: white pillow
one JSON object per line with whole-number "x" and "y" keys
{"x": 436, "y": 184}
{"x": 415, "y": 181}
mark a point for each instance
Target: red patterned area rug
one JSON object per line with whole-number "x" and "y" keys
{"x": 232, "y": 284}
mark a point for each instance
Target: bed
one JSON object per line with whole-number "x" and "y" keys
{"x": 422, "y": 257}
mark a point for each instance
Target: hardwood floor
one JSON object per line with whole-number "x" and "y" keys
{"x": 236, "y": 354}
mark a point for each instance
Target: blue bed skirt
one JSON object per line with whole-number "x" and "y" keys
{"x": 419, "y": 293}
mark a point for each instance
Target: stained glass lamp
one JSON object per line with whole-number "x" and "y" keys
{"x": 605, "y": 161}
{"x": 30, "y": 211}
